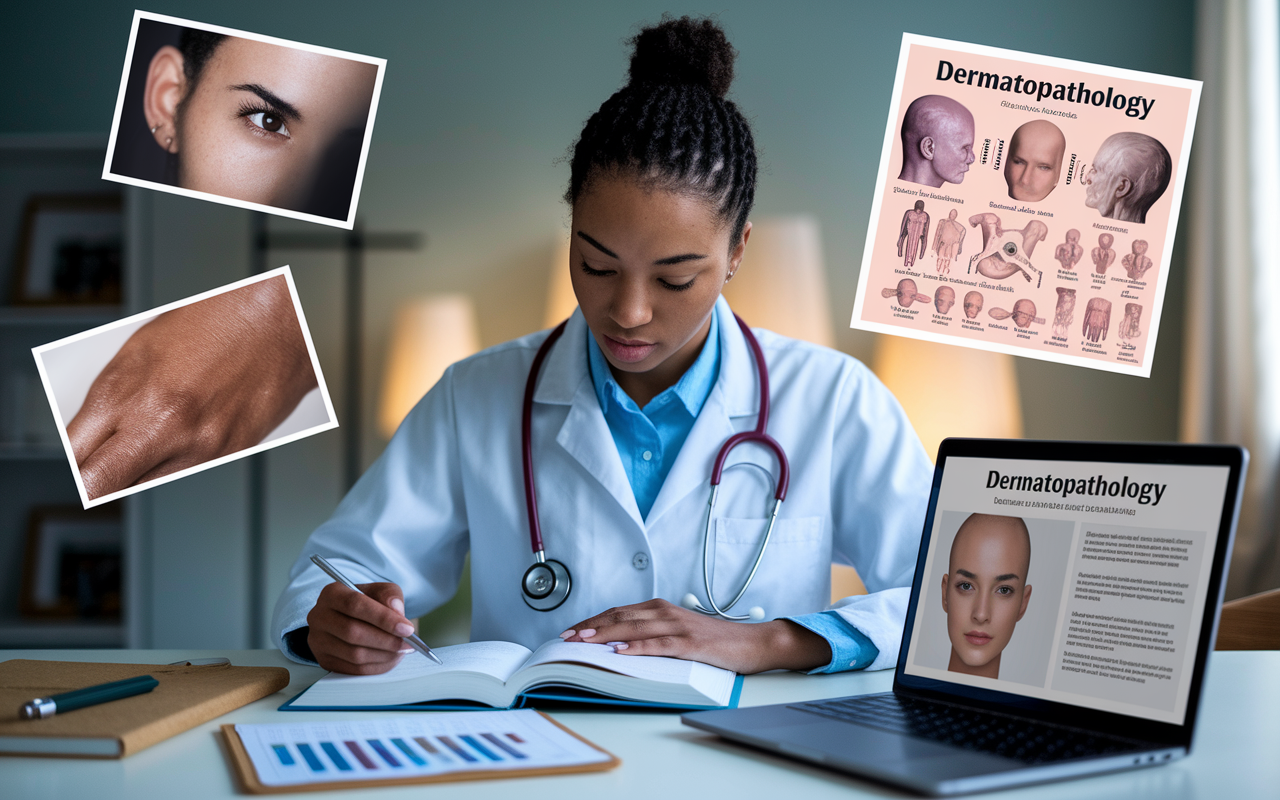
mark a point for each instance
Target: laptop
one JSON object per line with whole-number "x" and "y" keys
{"x": 1064, "y": 605}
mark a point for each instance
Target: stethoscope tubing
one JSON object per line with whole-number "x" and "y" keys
{"x": 759, "y": 436}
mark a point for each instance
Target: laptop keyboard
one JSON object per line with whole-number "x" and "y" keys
{"x": 972, "y": 729}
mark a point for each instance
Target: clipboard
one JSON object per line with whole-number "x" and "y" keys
{"x": 247, "y": 776}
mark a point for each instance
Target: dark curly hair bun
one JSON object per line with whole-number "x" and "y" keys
{"x": 683, "y": 51}
{"x": 672, "y": 127}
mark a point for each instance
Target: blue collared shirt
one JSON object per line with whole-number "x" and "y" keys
{"x": 648, "y": 441}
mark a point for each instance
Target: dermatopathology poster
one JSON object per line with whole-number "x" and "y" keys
{"x": 1026, "y": 205}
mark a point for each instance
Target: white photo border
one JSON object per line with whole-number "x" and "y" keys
{"x": 347, "y": 224}
{"x": 332, "y": 422}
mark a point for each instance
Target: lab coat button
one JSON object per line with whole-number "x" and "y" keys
{"x": 647, "y": 455}
{"x": 640, "y": 561}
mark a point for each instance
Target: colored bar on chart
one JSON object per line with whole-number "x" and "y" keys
{"x": 284, "y": 755}
{"x": 381, "y": 749}
{"x": 426, "y": 744}
{"x": 408, "y": 752}
{"x": 359, "y": 754}
{"x": 484, "y": 751}
{"x": 515, "y": 738}
{"x": 503, "y": 745}
{"x": 335, "y": 756}
{"x": 463, "y": 754}
{"x": 312, "y": 759}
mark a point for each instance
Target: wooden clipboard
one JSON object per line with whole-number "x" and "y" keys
{"x": 247, "y": 776}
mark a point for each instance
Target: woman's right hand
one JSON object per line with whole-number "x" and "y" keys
{"x": 359, "y": 634}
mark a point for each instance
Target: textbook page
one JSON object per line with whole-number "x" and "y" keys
{"x": 420, "y": 745}
{"x": 1026, "y": 205}
{"x": 713, "y": 683}
{"x": 476, "y": 670}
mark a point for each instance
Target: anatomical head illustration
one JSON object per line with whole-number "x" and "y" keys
{"x": 1070, "y": 251}
{"x": 1065, "y": 311}
{"x": 1136, "y": 263}
{"x": 943, "y": 299}
{"x": 972, "y": 304}
{"x": 948, "y": 242}
{"x": 1035, "y": 160}
{"x": 1129, "y": 173}
{"x": 906, "y": 293}
{"x": 985, "y": 591}
{"x": 1130, "y": 326}
{"x": 1023, "y": 313}
{"x": 914, "y": 234}
{"x": 1103, "y": 255}
{"x": 1007, "y": 252}
{"x": 937, "y": 141}
{"x": 1097, "y": 319}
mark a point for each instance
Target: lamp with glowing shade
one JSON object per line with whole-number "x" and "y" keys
{"x": 430, "y": 333}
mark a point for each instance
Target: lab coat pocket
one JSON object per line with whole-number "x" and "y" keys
{"x": 794, "y": 576}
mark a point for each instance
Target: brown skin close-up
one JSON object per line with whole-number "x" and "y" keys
{"x": 647, "y": 267}
{"x": 192, "y": 385}
{"x": 234, "y": 142}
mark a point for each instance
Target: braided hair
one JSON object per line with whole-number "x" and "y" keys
{"x": 671, "y": 127}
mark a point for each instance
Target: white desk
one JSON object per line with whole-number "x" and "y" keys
{"x": 1236, "y": 754}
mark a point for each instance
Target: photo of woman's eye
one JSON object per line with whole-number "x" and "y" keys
{"x": 243, "y": 119}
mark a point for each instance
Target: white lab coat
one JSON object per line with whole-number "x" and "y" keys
{"x": 450, "y": 482}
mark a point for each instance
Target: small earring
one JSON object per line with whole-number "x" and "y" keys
{"x": 155, "y": 128}
{"x": 168, "y": 141}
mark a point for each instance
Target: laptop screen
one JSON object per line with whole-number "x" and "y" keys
{"x": 1070, "y": 581}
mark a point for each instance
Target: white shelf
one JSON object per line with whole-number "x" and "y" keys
{"x": 60, "y": 633}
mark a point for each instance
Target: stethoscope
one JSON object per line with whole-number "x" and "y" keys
{"x": 546, "y": 584}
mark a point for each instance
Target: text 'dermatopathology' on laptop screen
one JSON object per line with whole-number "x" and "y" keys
{"x": 1069, "y": 581}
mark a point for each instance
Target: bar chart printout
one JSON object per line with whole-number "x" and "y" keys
{"x": 411, "y": 746}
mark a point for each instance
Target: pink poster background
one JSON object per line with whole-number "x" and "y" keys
{"x": 983, "y": 190}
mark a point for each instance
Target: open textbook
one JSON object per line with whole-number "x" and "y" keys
{"x": 1026, "y": 205}
{"x": 508, "y": 675}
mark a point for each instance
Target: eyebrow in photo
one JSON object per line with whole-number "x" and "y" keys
{"x": 287, "y": 110}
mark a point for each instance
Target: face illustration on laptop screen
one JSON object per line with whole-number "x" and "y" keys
{"x": 1076, "y": 582}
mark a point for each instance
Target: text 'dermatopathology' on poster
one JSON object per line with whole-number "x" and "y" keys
{"x": 1026, "y": 205}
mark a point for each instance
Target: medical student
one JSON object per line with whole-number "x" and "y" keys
{"x": 629, "y": 408}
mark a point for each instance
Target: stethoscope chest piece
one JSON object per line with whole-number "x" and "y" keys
{"x": 546, "y": 585}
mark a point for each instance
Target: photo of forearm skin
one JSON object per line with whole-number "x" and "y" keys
{"x": 192, "y": 385}
{"x": 1097, "y": 319}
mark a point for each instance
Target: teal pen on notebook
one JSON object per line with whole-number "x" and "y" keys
{"x": 412, "y": 638}
{"x": 43, "y": 707}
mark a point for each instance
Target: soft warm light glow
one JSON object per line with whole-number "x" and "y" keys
{"x": 950, "y": 391}
{"x": 560, "y": 298}
{"x": 429, "y": 334}
{"x": 781, "y": 284}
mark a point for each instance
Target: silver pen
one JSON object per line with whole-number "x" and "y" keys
{"x": 412, "y": 638}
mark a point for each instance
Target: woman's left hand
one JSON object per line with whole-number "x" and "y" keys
{"x": 658, "y": 628}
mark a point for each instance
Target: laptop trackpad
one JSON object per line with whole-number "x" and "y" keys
{"x": 878, "y": 752}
